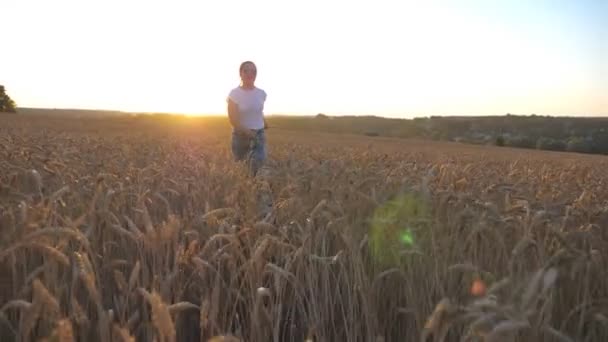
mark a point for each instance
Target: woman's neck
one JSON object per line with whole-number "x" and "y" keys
{"x": 247, "y": 86}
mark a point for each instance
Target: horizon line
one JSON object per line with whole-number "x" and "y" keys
{"x": 404, "y": 116}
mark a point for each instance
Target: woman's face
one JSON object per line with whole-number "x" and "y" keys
{"x": 248, "y": 73}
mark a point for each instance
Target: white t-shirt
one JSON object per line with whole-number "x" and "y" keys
{"x": 251, "y": 106}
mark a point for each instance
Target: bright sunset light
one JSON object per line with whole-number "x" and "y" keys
{"x": 390, "y": 58}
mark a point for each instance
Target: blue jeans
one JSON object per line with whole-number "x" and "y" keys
{"x": 251, "y": 150}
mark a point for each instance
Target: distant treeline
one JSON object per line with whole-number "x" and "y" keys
{"x": 7, "y": 105}
{"x": 573, "y": 134}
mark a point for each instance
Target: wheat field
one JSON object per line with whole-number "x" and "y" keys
{"x": 144, "y": 229}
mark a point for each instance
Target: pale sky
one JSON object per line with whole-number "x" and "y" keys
{"x": 389, "y": 58}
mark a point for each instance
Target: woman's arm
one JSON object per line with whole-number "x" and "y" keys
{"x": 233, "y": 110}
{"x": 232, "y": 113}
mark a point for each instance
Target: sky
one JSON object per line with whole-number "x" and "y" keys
{"x": 388, "y": 58}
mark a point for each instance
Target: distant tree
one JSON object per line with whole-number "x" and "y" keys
{"x": 500, "y": 141}
{"x": 322, "y": 116}
{"x": 6, "y": 103}
{"x": 436, "y": 135}
{"x": 578, "y": 144}
{"x": 521, "y": 142}
{"x": 550, "y": 144}
{"x": 600, "y": 141}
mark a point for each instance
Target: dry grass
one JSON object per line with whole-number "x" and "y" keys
{"x": 129, "y": 229}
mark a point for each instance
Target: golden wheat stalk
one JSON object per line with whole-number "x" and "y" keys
{"x": 161, "y": 316}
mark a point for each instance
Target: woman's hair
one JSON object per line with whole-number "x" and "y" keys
{"x": 245, "y": 63}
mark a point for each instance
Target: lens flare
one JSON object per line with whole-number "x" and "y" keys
{"x": 393, "y": 227}
{"x": 478, "y": 288}
{"x": 407, "y": 238}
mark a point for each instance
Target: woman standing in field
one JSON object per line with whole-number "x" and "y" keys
{"x": 246, "y": 113}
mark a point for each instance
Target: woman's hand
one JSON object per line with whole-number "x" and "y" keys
{"x": 246, "y": 132}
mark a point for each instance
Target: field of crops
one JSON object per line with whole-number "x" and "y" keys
{"x": 132, "y": 229}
